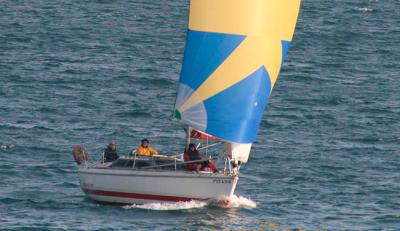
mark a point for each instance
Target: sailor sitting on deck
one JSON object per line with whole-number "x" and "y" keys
{"x": 145, "y": 150}
{"x": 110, "y": 153}
{"x": 192, "y": 155}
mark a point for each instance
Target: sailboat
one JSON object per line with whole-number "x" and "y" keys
{"x": 234, "y": 52}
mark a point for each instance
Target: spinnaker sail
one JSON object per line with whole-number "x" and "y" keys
{"x": 233, "y": 55}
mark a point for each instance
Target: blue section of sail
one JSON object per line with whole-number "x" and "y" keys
{"x": 235, "y": 114}
{"x": 204, "y": 52}
{"x": 285, "y": 49}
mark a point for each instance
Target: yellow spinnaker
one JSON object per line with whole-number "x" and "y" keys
{"x": 265, "y": 23}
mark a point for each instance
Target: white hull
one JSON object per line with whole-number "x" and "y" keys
{"x": 129, "y": 186}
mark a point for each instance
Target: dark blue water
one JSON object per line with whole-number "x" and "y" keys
{"x": 77, "y": 72}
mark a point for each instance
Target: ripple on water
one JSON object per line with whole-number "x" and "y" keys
{"x": 326, "y": 155}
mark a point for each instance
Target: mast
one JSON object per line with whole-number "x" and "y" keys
{"x": 188, "y": 132}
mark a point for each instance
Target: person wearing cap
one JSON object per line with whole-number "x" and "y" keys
{"x": 145, "y": 150}
{"x": 191, "y": 154}
{"x": 110, "y": 153}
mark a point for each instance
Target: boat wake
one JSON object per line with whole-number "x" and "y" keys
{"x": 232, "y": 202}
{"x": 236, "y": 201}
{"x": 169, "y": 205}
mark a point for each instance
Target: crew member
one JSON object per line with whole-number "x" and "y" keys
{"x": 110, "y": 153}
{"x": 191, "y": 154}
{"x": 145, "y": 150}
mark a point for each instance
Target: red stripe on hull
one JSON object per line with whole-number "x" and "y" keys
{"x": 138, "y": 196}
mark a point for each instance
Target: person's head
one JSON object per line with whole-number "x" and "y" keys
{"x": 192, "y": 147}
{"x": 113, "y": 145}
{"x": 145, "y": 142}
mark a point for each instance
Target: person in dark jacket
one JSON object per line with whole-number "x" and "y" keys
{"x": 191, "y": 154}
{"x": 110, "y": 153}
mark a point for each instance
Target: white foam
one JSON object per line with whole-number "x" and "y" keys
{"x": 236, "y": 201}
{"x": 231, "y": 202}
{"x": 7, "y": 146}
{"x": 364, "y": 9}
{"x": 169, "y": 205}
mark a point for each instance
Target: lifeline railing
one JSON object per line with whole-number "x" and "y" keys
{"x": 178, "y": 160}
{"x": 175, "y": 159}
{"x": 175, "y": 163}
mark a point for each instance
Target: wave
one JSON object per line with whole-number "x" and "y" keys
{"x": 231, "y": 202}
{"x": 161, "y": 206}
{"x": 7, "y": 146}
{"x": 24, "y": 126}
{"x": 236, "y": 201}
{"x": 365, "y": 10}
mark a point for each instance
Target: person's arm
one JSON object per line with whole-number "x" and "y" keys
{"x": 105, "y": 153}
{"x": 153, "y": 151}
{"x": 198, "y": 155}
{"x": 186, "y": 156}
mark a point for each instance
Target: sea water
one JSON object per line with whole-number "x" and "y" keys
{"x": 85, "y": 72}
